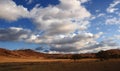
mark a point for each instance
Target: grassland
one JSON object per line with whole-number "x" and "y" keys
{"x": 65, "y": 65}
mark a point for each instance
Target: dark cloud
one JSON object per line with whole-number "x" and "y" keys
{"x": 39, "y": 48}
{"x": 103, "y": 45}
{"x": 76, "y": 38}
{"x": 64, "y": 49}
{"x": 13, "y": 34}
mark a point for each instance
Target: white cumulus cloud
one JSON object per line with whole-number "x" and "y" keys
{"x": 58, "y": 19}
{"x": 10, "y": 11}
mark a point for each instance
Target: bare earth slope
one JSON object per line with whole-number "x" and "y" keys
{"x": 28, "y": 55}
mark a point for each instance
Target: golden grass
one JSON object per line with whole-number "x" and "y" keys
{"x": 6, "y": 59}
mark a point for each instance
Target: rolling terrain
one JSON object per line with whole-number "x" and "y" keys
{"x": 30, "y": 60}
{"x": 31, "y": 55}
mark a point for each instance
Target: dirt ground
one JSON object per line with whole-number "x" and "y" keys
{"x": 58, "y": 65}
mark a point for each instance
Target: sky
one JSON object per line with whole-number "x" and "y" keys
{"x": 60, "y": 26}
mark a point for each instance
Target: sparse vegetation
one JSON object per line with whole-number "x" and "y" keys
{"x": 76, "y": 57}
{"x": 106, "y": 55}
{"x": 102, "y": 55}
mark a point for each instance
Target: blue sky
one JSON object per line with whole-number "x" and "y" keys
{"x": 51, "y": 25}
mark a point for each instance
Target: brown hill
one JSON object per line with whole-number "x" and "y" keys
{"x": 28, "y": 53}
{"x": 88, "y": 55}
{"x": 7, "y": 53}
{"x": 114, "y": 51}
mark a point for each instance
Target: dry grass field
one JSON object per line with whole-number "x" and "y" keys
{"x": 62, "y": 65}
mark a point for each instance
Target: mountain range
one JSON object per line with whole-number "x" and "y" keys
{"x": 29, "y": 53}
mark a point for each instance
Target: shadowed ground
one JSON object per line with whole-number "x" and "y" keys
{"x": 92, "y": 65}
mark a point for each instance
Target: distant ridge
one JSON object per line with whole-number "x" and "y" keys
{"x": 29, "y": 53}
{"x": 114, "y": 51}
{"x": 6, "y": 53}
{"x": 25, "y": 53}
